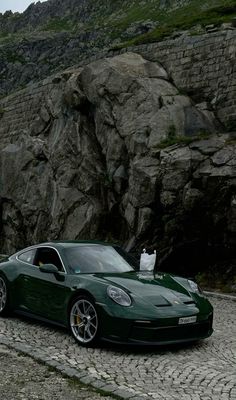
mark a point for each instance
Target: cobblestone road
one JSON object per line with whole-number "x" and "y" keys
{"x": 203, "y": 371}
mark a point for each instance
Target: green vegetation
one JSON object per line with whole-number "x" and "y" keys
{"x": 12, "y": 57}
{"x": 128, "y": 22}
{"x": 231, "y": 140}
{"x": 58, "y": 25}
{"x": 172, "y": 132}
{"x": 3, "y": 35}
{"x": 183, "y": 18}
{"x": 107, "y": 180}
{"x": 73, "y": 382}
{"x": 6, "y": 38}
{"x": 173, "y": 139}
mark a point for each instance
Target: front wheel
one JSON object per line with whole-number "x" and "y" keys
{"x": 83, "y": 320}
{"x": 3, "y": 297}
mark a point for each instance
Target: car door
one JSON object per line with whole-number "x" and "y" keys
{"x": 40, "y": 293}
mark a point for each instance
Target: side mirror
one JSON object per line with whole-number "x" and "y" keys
{"x": 48, "y": 268}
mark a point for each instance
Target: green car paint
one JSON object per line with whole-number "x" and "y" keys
{"x": 164, "y": 308}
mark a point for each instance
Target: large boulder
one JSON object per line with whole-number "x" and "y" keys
{"x": 90, "y": 162}
{"x": 135, "y": 97}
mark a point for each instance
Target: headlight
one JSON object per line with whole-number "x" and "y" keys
{"x": 194, "y": 286}
{"x": 119, "y": 296}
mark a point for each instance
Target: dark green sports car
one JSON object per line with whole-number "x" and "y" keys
{"x": 97, "y": 291}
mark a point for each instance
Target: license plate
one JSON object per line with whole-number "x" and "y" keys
{"x": 187, "y": 320}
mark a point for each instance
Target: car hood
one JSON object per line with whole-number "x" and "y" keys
{"x": 158, "y": 289}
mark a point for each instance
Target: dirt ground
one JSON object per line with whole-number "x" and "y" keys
{"x": 22, "y": 378}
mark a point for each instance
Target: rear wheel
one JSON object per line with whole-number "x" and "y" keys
{"x": 83, "y": 320}
{"x": 3, "y": 297}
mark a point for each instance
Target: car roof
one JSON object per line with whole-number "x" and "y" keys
{"x": 73, "y": 243}
{"x": 63, "y": 244}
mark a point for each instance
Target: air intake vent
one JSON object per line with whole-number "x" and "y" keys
{"x": 163, "y": 305}
{"x": 189, "y": 302}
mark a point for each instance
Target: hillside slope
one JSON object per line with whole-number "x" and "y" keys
{"x": 119, "y": 19}
{"x": 56, "y": 34}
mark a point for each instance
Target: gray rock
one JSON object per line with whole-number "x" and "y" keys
{"x": 120, "y": 178}
{"x": 232, "y": 215}
{"x": 174, "y": 180}
{"x": 209, "y": 146}
{"x": 179, "y": 158}
{"x": 191, "y": 198}
{"x": 196, "y": 122}
{"x": 145, "y": 216}
{"x": 153, "y": 105}
{"x": 167, "y": 198}
{"x": 81, "y": 157}
{"x": 223, "y": 156}
{"x": 144, "y": 176}
{"x": 130, "y": 215}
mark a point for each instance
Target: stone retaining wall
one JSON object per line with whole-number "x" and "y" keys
{"x": 21, "y": 109}
{"x": 203, "y": 66}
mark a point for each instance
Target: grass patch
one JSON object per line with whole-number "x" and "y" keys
{"x": 75, "y": 383}
{"x": 13, "y": 57}
{"x": 185, "y": 140}
{"x": 58, "y": 25}
{"x": 114, "y": 18}
{"x": 183, "y": 18}
{"x": 11, "y": 38}
{"x": 231, "y": 140}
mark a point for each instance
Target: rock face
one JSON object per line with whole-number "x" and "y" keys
{"x": 208, "y": 77}
{"x": 57, "y": 34}
{"x": 82, "y": 157}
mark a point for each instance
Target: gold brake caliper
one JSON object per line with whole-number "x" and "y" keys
{"x": 77, "y": 320}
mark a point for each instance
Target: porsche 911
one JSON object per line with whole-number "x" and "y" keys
{"x": 98, "y": 291}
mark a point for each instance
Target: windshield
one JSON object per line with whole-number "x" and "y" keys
{"x": 98, "y": 258}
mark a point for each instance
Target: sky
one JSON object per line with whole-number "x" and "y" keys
{"x": 15, "y": 5}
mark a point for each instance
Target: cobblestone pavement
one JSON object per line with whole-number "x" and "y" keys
{"x": 202, "y": 371}
{"x": 22, "y": 378}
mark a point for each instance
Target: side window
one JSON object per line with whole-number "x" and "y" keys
{"x": 46, "y": 255}
{"x": 27, "y": 256}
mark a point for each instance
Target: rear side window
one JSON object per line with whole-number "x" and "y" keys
{"x": 27, "y": 256}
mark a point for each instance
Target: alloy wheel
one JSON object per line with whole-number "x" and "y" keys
{"x": 84, "y": 320}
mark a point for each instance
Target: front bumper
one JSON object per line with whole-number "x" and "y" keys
{"x": 141, "y": 334}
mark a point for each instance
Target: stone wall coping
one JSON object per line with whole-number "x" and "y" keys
{"x": 220, "y": 295}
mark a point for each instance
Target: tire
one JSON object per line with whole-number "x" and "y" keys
{"x": 83, "y": 321}
{"x": 4, "y": 309}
